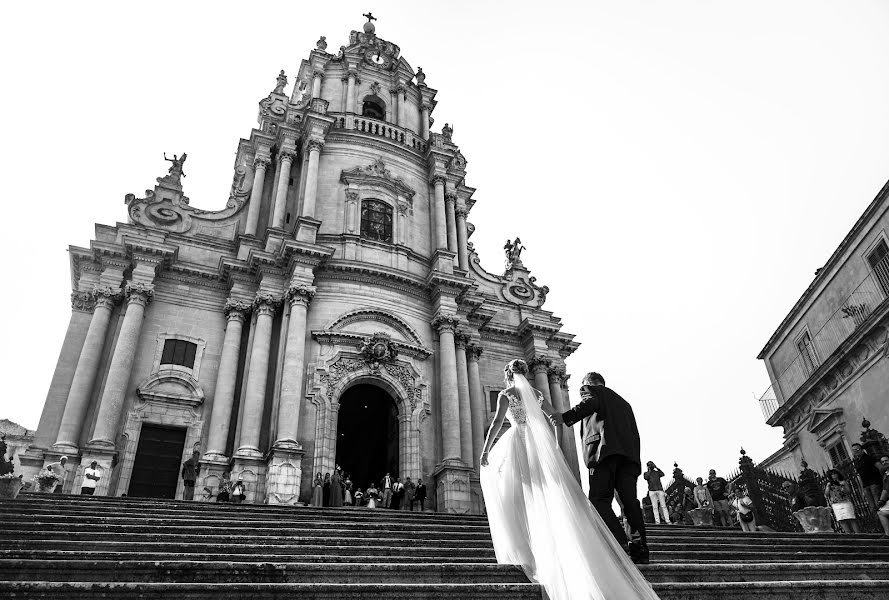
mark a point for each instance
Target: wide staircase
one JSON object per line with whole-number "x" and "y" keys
{"x": 72, "y": 547}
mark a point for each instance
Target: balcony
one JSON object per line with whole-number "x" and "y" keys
{"x": 870, "y": 294}
{"x": 377, "y": 128}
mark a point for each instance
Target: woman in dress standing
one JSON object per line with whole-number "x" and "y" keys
{"x": 539, "y": 516}
{"x": 336, "y": 488}
{"x": 743, "y": 508}
{"x": 318, "y": 491}
{"x": 326, "y": 491}
{"x": 839, "y": 494}
{"x": 347, "y": 490}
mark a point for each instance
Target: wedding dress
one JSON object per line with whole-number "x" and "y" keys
{"x": 541, "y": 519}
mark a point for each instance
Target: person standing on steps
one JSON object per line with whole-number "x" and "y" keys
{"x": 702, "y": 495}
{"x": 718, "y": 493}
{"x": 656, "y": 493}
{"x": 336, "y": 488}
{"x": 386, "y": 490}
{"x": 866, "y": 467}
{"x": 91, "y": 477}
{"x": 318, "y": 491}
{"x": 326, "y": 489}
{"x": 190, "y": 471}
{"x": 419, "y": 496}
{"x": 883, "y": 500}
{"x": 397, "y": 494}
{"x": 410, "y": 488}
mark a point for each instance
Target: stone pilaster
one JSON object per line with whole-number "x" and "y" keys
{"x": 260, "y": 164}
{"x": 317, "y": 78}
{"x": 68, "y": 438}
{"x": 466, "y": 450}
{"x": 477, "y": 402}
{"x": 439, "y": 212}
{"x": 254, "y": 399}
{"x": 223, "y": 402}
{"x": 350, "y": 91}
{"x": 424, "y": 120}
{"x": 120, "y": 369}
{"x": 285, "y": 458}
{"x": 450, "y": 206}
{"x": 285, "y": 161}
{"x": 313, "y": 147}
{"x": 462, "y": 238}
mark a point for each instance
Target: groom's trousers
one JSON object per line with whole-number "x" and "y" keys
{"x": 617, "y": 474}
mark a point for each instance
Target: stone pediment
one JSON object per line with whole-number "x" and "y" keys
{"x": 823, "y": 422}
{"x": 377, "y": 175}
{"x": 171, "y": 386}
{"x": 361, "y": 328}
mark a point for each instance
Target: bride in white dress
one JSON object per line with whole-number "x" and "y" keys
{"x": 539, "y": 516}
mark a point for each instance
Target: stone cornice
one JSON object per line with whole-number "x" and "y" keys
{"x": 382, "y": 275}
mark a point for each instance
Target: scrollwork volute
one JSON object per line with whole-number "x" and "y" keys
{"x": 139, "y": 293}
{"x": 236, "y": 311}
{"x": 556, "y": 375}
{"x": 539, "y": 364}
{"x": 83, "y": 302}
{"x": 315, "y": 145}
{"x": 265, "y": 304}
{"x": 261, "y": 162}
{"x": 438, "y": 180}
{"x": 287, "y": 155}
{"x": 444, "y": 323}
{"x": 107, "y": 297}
{"x": 461, "y": 340}
{"x": 299, "y": 294}
{"x": 473, "y": 352}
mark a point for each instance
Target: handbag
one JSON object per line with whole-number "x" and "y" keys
{"x": 746, "y": 517}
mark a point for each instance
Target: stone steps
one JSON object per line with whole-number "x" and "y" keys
{"x": 81, "y": 547}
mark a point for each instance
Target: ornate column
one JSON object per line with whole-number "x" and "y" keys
{"x": 260, "y": 164}
{"x": 566, "y": 434}
{"x": 350, "y": 92}
{"x": 114, "y": 394}
{"x": 438, "y": 211}
{"x": 223, "y": 401}
{"x": 447, "y": 387}
{"x": 539, "y": 368}
{"x": 285, "y": 162}
{"x": 254, "y": 398}
{"x": 314, "y": 148}
{"x": 317, "y": 77}
{"x": 424, "y": 121}
{"x": 450, "y": 205}
{"x": 462, "y": 252}
{"x": 345, "y": 91}
{"x": 85, "y": 373}
{"x": 401, "y": 94}
{"x": 466, "y": 450}
{"x": 477, "y": 403}
{"x": 293, "y": 377}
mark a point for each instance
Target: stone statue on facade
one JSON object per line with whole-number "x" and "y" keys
{"x": 282, "y": 81}
{"x": 176, "y": 171}
{"x": 447, "y": 131}
{"x": 321, "y": 44}
{"x": 421, "y": 76}
{"x": 513, "y": 253}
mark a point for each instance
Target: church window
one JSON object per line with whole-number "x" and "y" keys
{"x": 838, "y": 454}
{"x": 879, "y": 262}
{"x": 179, "y": 352}
{"x": 373, "y": 107}
{"x": 376, "y": 220}
{"x": 807, "y": 352}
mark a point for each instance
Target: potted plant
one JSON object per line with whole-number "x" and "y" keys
{"x": 46, "y": 480}
{"x": 10, "y": 483}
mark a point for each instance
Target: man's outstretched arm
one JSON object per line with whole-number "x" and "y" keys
{"x": 589, "y": 405}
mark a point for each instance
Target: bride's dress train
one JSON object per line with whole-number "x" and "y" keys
{"x": 541, "y": 519}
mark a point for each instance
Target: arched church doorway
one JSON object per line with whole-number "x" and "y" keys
{"x": 367, "y": 434}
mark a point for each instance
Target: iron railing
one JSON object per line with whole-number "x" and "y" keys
{"x": 768, "y": 402}
{"x": 852, "y": 312}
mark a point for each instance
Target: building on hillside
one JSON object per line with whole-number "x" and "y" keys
{"x": 333, "y": 312}
{"x": 828, "y": 361}
{"x": 18, "y": 439}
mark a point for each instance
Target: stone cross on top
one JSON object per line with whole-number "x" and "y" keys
{"x": 370, "y": 16}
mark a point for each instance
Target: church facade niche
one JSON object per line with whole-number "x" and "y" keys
{"x": 340, "y": 259}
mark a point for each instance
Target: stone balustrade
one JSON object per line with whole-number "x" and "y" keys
{"x": 379, "y": 128}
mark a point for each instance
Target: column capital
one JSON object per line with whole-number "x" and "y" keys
{"x": 556, "y": 374}
{"x": 289, "y": 155}
{"x": 461, "y": 340}
{"x": 107, "y": 296}
{"x": 426, "y": 107}
{"x": 451, "y": 198}
{"x": 461, "y": 211}
{"x": 539, "y": 364}
{"x": 235, "y": 310}
{"x": 442, "y": 323}
{"x": 299, "y": 294}
{"x": 438, "y": 179}
{"x": 473, "y": 352}
{"x": 314, "y": 145}
{"x": 83, "y": 301}
{"x": 139, "y": 293}
{"x": 318, "y": 73}
{"x": 265, "y": 304}
{"x": 261, "y": 162}
{"x": 401, "y": 90}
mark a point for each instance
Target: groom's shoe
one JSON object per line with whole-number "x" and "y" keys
{"x": 639, "y": 553}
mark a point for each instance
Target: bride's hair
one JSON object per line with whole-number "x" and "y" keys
{"x": 515, "y": 366}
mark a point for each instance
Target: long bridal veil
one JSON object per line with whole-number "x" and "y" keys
{"x": 541, "y": 519}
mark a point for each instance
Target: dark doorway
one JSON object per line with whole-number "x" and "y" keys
{"x": 157, "y": 463}
{"x": 367, "y": 435}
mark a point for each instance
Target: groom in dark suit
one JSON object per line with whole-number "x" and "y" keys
{"x": 618, "y": 466}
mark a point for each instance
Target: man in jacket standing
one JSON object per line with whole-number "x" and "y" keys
{"x": 190, "y": 470}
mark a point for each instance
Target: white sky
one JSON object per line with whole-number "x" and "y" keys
{"x": 677, "y": 170}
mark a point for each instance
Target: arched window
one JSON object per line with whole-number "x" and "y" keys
{"x": 374, "y": 108}
{"x": 376, "y": 220}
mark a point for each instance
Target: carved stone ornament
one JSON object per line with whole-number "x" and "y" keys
{"x": 265, "y": 303}
{"x": 445, "y": 323}
{"x": 473, "y": 352}
{"x": 539, "y": 363}
{"x": 376, "y": 51}
{"x": 377, "y": 175}
{"x": 314, "y": 144}
{"x": 378, "y": 349}
{"x": 141, "y": 293}
{"x": 321, "y": 44}
{"x": 301, "y": 294}
{"x": 281, "y": 82}
{"x": 83, "y": 301}
{"x": 107, "y": 296}
{"x": 288, "y": 155}
{"x": 236, "y": 310}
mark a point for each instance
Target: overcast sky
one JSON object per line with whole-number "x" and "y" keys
{"x": 676, "y": 170}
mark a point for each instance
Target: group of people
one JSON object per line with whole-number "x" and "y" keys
{"x": 337, "y": 489}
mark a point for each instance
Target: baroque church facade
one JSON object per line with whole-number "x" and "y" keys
{"x": 334, "y": 312}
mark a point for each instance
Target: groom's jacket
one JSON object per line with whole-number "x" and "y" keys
{"x": 619, "y": 424}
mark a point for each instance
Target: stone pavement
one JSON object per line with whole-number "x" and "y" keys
{"x": 76, "y": 547}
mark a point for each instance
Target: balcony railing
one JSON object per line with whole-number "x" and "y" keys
{"x": 768, "y": 402}
{"x": 853, "y": 311}
{"x": 378, "y": 128}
